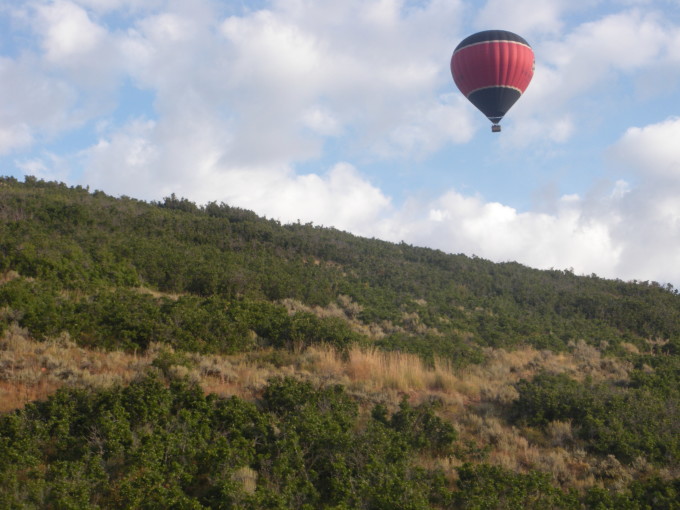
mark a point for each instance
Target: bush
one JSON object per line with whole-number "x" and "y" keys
{"x": 165, "y": 444}
{"x": 627, "y": 422}
{"x": 483, "y": 487}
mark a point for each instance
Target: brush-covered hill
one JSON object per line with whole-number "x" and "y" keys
{"x": 207, "y": 357}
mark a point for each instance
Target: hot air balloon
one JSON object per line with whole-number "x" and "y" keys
{"x": 493, "y": 68}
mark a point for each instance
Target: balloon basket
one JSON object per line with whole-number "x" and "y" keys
{"x": 496, "y": 128}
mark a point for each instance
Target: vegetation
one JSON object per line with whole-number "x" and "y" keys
{"x": 170, "y": 355}
{"x": 77, "y": 253}
{"x": 627, "y": 422}
{"x": 151, "y": 445}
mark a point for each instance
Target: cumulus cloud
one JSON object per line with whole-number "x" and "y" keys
{"x": 131, "y": 6}
{"x": 284, "y": 77}
{"x": 69, "y": 78}
{"x": 340, "y": 197}
{"x": 652, "y": 151}
{"x": 458, "y": 223}
{"x": 50, "y": 166}
{"x": 650, "y": 230}
{"x": 78, "y": 46}
{"x": 628, "y": 230}
{"x": 35, "y": 104}
{"x": 593, "y": 58}
{"x": 14, "y": 136}
{"x": 619, "y": 230}
{"x": 128, "y": 156}
{"x": 69, "y": 34}
{"x": 525, "y": 16}
{"x": 376, "y": 73}
{"x": 262, "y": 90}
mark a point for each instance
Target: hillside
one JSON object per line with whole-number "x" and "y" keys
{"x": 207, "y": 357}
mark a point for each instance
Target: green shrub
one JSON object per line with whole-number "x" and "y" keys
{"x": 627, "y": 422}
{"x": 486, "y": 487}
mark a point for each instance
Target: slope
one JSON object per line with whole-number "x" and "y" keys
{"x": 545, "y": 380}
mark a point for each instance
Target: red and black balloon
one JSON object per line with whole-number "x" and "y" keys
{"x": 492, "y": 69}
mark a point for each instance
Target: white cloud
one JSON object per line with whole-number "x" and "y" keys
{"x": 80, "y": 48}
{"x": 650, "y": 230}
{"x": 282, "y": 78}
{"x": 429, "y": 127}
{"x": 140, "y": 154}
{"x": 36, "y": 105}
{"x": 621, "y": 230}
{"x": 128, "y": 156}
{"x": 627, "y": 230}
{"x": 342, "y": 198}
{"x": 590, "y": 61}
{"x": 373, "y": 74}
{"x": 274, "y": 53}
{"x": 321, "y": 121}
{"x": 524, "y": 16}
{"x": 106, "y": 6}
{"x": 51, "y": 167}
{"x": 15, "y": 136}
{"x": 67, "y": 73}
{"x": 622, "y": 41}
{"x": 652, "y": 151}
{"x": 266, "y": 87}
{"x": 69, "y": 34}
{"x": 468, "y": 224}
{"x": 528, "y": 130}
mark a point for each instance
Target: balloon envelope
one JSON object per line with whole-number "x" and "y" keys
{"x": 493, "y": 69}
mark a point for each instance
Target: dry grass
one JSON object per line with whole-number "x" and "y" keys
{"x": 345, "y": 309}
{"x": 14, "y": 395}
{"x": 372, "y": 371}
{"x": 348, "y": 310}
{"x": 158, "y": 294}
{"x": 247, "y": 477}
{"x": 8, "y": 276}
{"x": 246, "y": 379}
{"x": 560, "y": 433}
{"x": 509, "y": 448}
{"x": 31, "y": 370}
{"x": 473, "y": 397}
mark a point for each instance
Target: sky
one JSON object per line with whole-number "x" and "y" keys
{"x": 343, "y": 113}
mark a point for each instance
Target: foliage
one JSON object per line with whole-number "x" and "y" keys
{"x": 126, "y": 318}
{"x": 72, "y": 247}
{"x": 650, "y": 494}
{"x": 161, "y": 443}
{"x": 628, "y": 422}
{"x": 152, "y": 445}
{"x": 424, "y": 428}
{"x": 122, "y": 274}
{"x": 484, "y": 487}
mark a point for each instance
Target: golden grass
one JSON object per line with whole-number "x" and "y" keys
{"x": 473, "y": 397}
{"x": 158, "y": 294}
{"x": 8, "y": 276}
{"x": 35, "y": 369}
{"x": 14, "y": 395}
{"x": 31, "y": 370}
{"x": 345, "y": 309}
{"x": 372, "y": 370}
{"x": 247, "y": 477}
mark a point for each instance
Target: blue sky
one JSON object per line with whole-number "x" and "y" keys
{"x": 344, "y": 114}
